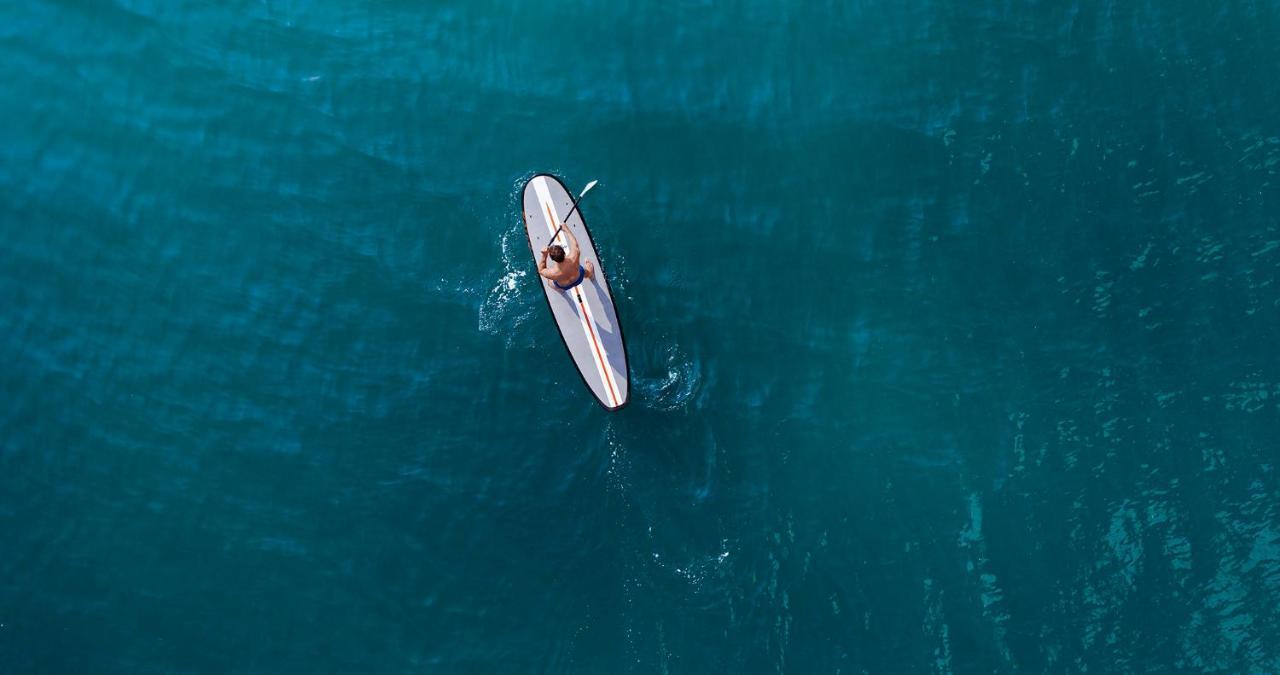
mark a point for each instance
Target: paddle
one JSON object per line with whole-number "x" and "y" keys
{"x": 564, "y": 220}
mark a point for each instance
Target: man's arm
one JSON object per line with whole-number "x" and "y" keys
{"x": 542, "y": 266}
{"x": 573, "y": 242}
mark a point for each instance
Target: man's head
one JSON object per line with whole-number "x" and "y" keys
{"x": 556, "y": 251}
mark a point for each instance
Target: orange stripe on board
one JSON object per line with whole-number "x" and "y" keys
{"x": 551, "y": 218}
{"x": 608, "y": 380}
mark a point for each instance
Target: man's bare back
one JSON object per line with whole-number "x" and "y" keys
{"x": 565, "y": 270}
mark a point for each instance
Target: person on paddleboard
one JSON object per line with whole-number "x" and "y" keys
{"x": 567, "y": 272}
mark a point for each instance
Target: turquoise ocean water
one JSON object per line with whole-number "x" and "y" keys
{"x": 952, "y": 329}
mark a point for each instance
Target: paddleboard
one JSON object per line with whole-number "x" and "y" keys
{"x": 585, "y": 314}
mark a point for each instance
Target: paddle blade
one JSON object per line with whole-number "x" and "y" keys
{"x": 587, "y": 189}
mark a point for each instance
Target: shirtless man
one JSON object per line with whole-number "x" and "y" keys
{"x": 567, "y": 272}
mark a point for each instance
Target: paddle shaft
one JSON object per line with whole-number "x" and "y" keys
{"x": 564, "y": 220}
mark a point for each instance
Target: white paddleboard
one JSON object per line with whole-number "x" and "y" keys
{"x": 585, "y": 314}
